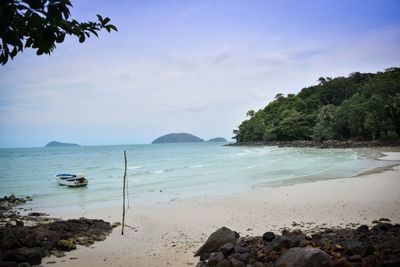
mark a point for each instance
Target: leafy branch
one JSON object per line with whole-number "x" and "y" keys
{"x": 41, "y": 24}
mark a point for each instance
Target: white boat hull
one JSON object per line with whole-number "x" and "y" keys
{"x": 71, "y": 180}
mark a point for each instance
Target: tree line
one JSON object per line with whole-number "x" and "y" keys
{"x": 362, "y": 106}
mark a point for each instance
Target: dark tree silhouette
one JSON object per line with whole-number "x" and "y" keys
{"x": 41, "y": 24}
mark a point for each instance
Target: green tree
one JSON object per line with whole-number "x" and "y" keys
{"x": 371, "y": 124}
{"x": 41, "y": 24}
{"x": 325, "y": 127}
{"x": 362, "y": 106}
{"x": 393, "y": 108}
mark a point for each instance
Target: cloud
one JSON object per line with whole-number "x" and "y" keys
{"x": 274, "y": 59}
{"x": 151, "y": 78}
{"x": 221, "y": 58}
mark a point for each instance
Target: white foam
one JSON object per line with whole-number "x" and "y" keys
{"x": 135, "y": 167}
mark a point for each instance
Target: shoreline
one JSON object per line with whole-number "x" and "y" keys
{"x": 168, "y": 234}
{"x": 387, "y": 144}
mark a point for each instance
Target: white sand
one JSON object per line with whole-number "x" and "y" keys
{"x": 168, "y": 234}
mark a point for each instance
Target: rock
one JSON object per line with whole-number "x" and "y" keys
{"x": 215, "y": 258}
{"x": 279, "y": 243}
{"x": 245, "y": 257}
{"x": 8, "y": 264}
{"x": 204, "y": 257}
{"x": 224, "y": 263}
{"x": 350, "y": 246}
{"x": 115, "y": 224}
{"x": 240, "y": 249}
{"x": 304, "y": 257}
{"x": 365, "y": 251}
{"x": 286, "y": 232}
{"x": 216, "y": 240}
{"x": 237, "y": 263}
{"x": 19, "y": 223}
{"x": 201, "y": 264}
{"x": 226, "y": 249}
{"x": 391, "y": 262}
{"x": 9, "y": 241}
{"x": 363, "y": 229}
{"x": 384, "y": 220}
{"x": 284, "y": 242}
{"x": 32, "y": 255}
{"x": 297, "y": 232}
{"x": 355, "y": 258}
{"x": 382, "y": 227}
{"x": 66, "y": 245}
{"x": 257, "y": 264}
{"x": 268, "y": 236}
{"x": 36, "y": 214}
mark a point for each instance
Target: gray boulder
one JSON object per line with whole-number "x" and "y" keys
{"x": 217, "y": 240}
{"x": 285, "y": 242}
{"x": 268, "y": 236}
{"x": 304, "y": 257}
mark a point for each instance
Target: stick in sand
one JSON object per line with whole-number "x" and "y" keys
{"x": 123, "y": 196}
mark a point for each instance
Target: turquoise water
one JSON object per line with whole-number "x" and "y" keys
{"x": 178, "y": 170}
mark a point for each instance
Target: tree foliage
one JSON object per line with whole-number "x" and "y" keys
{"x": 361, "y": 106}
{"x": 41, "y": 24}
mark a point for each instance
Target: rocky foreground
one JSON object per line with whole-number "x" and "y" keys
{"x": 25, "y": 240}
{"x": 364, "y": 246}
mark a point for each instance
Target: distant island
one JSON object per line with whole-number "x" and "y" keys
{"x": 177, "y": 138}
{"x": 217, "y": 139}
{"x": 362, "y": 107}
{"x": 56, "y": 144}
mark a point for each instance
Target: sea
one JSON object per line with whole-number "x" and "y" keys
{"x": 163, "y": 172}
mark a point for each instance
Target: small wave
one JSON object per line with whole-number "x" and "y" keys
{"x": 250, "y": 167}
{"x": 158, "y": 171}
{"x": 114, "y": 169}
{"x": 197, "y": 166}
{"x": 135, "y": 167}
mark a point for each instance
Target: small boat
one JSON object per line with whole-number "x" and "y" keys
{"x": 71, "y": 180}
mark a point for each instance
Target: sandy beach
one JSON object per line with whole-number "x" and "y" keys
{"x": 168, "y": 234}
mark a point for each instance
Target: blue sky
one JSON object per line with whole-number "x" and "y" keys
{"x": 187, "y": 66}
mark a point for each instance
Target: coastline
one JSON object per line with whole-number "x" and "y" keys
{"x": 168, "y": 234}
{"x": 387, "y": 144}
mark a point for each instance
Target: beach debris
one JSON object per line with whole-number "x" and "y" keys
{"x": 217, "y": 240}
{"x": 323, "y": 246}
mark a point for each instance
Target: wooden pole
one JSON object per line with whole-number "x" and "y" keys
{"x": 127, "y": 189}
{"x": 123, "y": 196}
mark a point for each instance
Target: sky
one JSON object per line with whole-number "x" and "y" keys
{"x": 187, "y": 66}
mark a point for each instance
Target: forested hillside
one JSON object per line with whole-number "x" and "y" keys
{"x": 362, "y": 106}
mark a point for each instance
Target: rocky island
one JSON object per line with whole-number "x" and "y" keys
{"x": 57, "y": 144}
{"x": 177, "y": 138}
{"x": 217, "y": 139}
